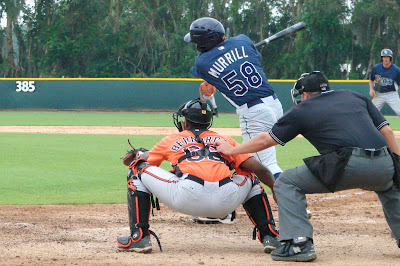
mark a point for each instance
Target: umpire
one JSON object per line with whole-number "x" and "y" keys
{"x": 358, "y": 150}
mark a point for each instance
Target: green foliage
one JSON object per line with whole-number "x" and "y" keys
{"x": 132, "y": 38}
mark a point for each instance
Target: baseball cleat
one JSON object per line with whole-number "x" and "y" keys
{"x": 398, "y": 243}
{"x": 207, "y": 220}
{"x": 125, "y": 243}
{"x": 298, "y": 249}
{"x": 270, "y": 243}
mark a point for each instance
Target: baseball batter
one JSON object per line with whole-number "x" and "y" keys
{"x": 384, "y": 83}
{"x": 202, "y": 183}
{"x": 233, "y": 67}
{"x": 207, "y": 92}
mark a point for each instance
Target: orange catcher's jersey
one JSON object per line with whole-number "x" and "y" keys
{"x": 206, "y": 90}
{"x": 209, "y": 168}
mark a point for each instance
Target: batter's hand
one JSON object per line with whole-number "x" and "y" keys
{"x": 223, "y": 147}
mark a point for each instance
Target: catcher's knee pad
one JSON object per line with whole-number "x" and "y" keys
{"x": 139, "y": 207}
{"x": 259, "y": 212}
{"x": 137, "y": 166}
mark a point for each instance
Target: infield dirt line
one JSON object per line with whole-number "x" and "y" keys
{"x": 115, "y": 130}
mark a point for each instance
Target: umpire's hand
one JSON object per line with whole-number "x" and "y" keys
{"x": 224, "y": 147}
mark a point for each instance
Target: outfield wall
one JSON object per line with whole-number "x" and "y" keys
{"x": 129, "y": 94}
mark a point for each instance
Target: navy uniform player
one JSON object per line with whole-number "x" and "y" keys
{"x": 384, "y": 83}
{"x": 233, "y": 67}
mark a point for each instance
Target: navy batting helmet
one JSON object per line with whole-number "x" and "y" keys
{"x": 195, "y": 111}
{"x": 206, "y": 33}
{"x": 387, "y": 52}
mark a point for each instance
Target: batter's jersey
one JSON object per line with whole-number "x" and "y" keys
{"x": 388, "y": 78}
{"x": 332, "y": 120}
{"x": 208, "y": 168}
{"x": 234, "y": 68}
{"x": 206, "y": 90}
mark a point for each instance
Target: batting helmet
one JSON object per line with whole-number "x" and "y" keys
{"x": 206, "y": 33}
{"x": 387, "y": 52}
{"x": 195, "y": 111}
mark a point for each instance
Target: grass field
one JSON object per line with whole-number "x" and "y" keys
{"x": 42, "y": 118}
{"x": 81, "y": 169}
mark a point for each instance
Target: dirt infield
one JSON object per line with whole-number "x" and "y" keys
{"x": 349, "y": 229}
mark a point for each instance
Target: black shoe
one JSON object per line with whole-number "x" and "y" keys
{"x": 298, "y": 249}
{"x": 398, "y": 243}
{"x": 270, "y": 243}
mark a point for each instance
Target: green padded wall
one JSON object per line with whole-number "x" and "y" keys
{"x": 128, "y": 94}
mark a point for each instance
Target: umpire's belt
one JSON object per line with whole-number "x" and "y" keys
{"x": 370, "y": 153}
{"x": 196, "y": 179}
{"x": 258, "y": 101}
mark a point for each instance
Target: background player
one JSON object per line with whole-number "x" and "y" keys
{"x": 207, "y": 92}
{"x": 356, "y": 145}
{"x": 233, "y": 67}
{"x": 202, "y": 184}
{"x": 384, "y": 83}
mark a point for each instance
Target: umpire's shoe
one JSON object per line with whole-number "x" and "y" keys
{"x": 270, "y": 243}
{"x": 125, "y": 243}
{"x": 298, "y": 249}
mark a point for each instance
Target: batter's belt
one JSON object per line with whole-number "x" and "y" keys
{"x": 196, "y": 179}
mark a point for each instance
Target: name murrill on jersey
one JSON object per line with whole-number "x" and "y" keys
{"x": 226, "y": 59}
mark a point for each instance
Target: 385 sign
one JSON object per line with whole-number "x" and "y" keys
{"x": 25, "y": 86}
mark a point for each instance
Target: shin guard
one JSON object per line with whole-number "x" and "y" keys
{"x": 259, "y": 212}
{"x": 139, "y": 214}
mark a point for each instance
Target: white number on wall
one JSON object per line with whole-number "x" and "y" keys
{"x": 25, "y": 86}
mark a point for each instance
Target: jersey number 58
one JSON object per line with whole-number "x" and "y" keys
{"x": 240, "y": 83}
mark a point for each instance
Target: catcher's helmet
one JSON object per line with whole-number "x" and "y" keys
{"x": 309, "y": 82}
{"x": 195, "y": 111}
{"x": 206, "y": 33}
{"x": 387, "y": 52}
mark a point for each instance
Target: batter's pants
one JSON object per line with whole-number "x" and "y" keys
{"x": 258, "y": 119}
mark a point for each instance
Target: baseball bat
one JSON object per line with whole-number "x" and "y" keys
{"x": 283, "y": 33}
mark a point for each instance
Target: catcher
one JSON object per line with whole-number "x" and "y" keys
{"x": 201, "y": 184}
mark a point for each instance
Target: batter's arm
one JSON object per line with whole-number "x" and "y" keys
{"x": 390, "y": 138}
{"x": 258, "y": 143}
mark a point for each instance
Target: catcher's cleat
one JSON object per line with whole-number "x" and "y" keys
{"x": 207, "y": 220}
{"x": 298, "y": 249}
{"x": 125, "y": 243}
{"x": 270, "y": 243}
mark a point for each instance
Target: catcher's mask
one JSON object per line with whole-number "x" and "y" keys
{"x": 195, "y": 111}
{"x": 309, "y": 82}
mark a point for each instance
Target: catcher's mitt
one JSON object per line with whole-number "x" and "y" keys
{"x": 132, "y": 155}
